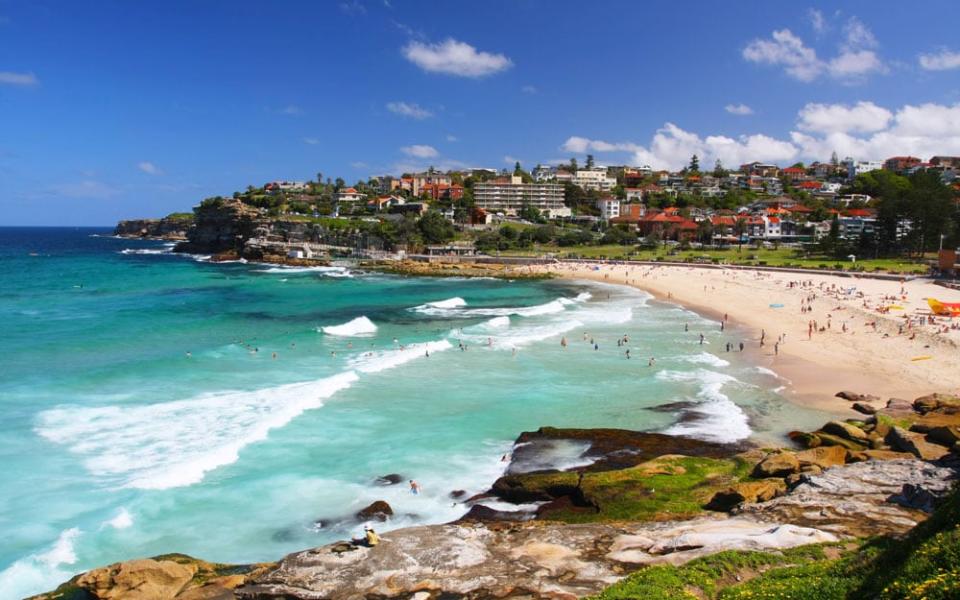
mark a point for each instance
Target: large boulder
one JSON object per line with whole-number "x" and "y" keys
{"x": 915, "y": 444}
{"x": 376, "y": 511}
{"x": 777, "y": 464}
{"x": 746, "y": 491}
{"x": 823, "y": 457}
{"x": 885, "y": 455}
{"x": 944, "y": 435}
{"x": 805, "y": 439}
{"x": 932, "y": 402}
{"x": 145, "y": 579}
{"x": 829, "y": 439}
{"x": 389, "y": 479}
{"x": 864, "y": 408}
{"x": 855, "y": 397}
{"x": 846, "y": 431}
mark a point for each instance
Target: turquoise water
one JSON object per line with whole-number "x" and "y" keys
{"x": 143, "y": 410}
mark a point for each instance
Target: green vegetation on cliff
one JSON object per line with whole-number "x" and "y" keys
{"x": 925, "y": 565}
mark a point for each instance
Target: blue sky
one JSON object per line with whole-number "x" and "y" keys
{"x": 133, "y": 109}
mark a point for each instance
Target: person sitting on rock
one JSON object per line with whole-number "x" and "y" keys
{"x": 370, "y": 536}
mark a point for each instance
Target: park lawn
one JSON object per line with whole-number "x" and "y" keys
{"x": 773, "y": 257}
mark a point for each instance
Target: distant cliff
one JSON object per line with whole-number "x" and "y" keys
{"x": 172, "y": 227}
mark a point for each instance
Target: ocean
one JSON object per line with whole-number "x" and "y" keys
{"x": 152, "y": 402}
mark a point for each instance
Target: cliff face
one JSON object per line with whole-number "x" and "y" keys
{"x": 221, "y": 227}
{"x": 167, "y": 228}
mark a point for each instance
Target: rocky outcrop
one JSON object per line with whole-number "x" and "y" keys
{"x": 172, "y": 228}
{"x": 376, "y": 511}
{"x": 221, "y": 226}
{"x": 853, "y": 499}
{"x": 536, "y": 561}
{"x": 777, "y": 464}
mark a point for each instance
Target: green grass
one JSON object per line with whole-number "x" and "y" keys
{"x": 780, "y": 257}
{"x": 923, "y": 566}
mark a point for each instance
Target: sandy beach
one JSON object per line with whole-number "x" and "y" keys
{"x": 871, "y": 336}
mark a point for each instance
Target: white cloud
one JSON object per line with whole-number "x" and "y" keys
{"x": 529, "y": 89}
{"x": 359, "y": 164}
{"x": 455, "y": 58}
{"x": 582, "y": 145}
{"x": 21, "y": 79}
{"x": 291, "y": 109}
{"x": 420, "y": 151}
{"x": 940, "y": 61}
{"x": 353, "y": 7}
{"x": 412, "y": 110}
{"x": 311, "y": 141}
{"x": 817, "y": 21}
{"x": 452, "y": 138}
{"x": 863, "y": 117}
{"x": 510, "y": 160}
{"x": 788, "y": 50}
{"x": 149, "y": 168}
{"x": 738, "y": 109}
{"x": 852, "y": 64}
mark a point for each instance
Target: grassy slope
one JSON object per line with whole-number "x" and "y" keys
{"x": 926, "y": 565}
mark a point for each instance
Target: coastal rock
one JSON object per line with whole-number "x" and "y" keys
{"x": 823, "y": 457}
{"x": 931, "y": 402}
{"x": 853, "y": 499}
{"x": 391, "y": 479}
{"x": 805, "y": 439}
{"x": 747, "y": 491}
{"x": 145, "y": 579}
{"x": 915, "y": 444}
{"x": 777, "y": 464}
{"x": 173, "y": 227}
{"x": 829, "y": 439}
{"x": 885, "y": 455}
{"x": 376, "y": 511}
{"x": 855, "y": 397}
{"x": 457, "y": 494}
{"x": 945, "y": 436}
{"x": 846, "y": 431}
{"x": 862, "y": 407}
{"x": 519, "y": 560}
{"x": 485, "y": 514}
{"x": 898, "y": 406}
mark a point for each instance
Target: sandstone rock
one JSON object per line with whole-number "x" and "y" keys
{"x": 807, "y": 440}
{"x": 931, "y": 402}
{"x": 746, "y": 491}
{"x": 457, "y": 494}
{"x": 823, "y": 457}
{"x": 856, "y": 456}
{"x": 886, "y": 455}
{"x": 145, "y": 579}
{"x": 945, "y": 436}
{"x": 376, "y": 511}
{"x": 898, "y": 405}
{"x": 915, "y": 444}
{"x": 862, "y": 407}
{"x": 484, "y": 514}
{"x": 811, "y": 470}
{"x": 829, "y": 439}
{"x": 853, "y": 499}
{"x": 855, "y": 397}
{"x": 916, "y": 496}
{"x": 777, "y": 464}
{"x": 845, "y": 430}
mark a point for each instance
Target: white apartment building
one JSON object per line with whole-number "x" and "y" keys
{"x": 508, "y": 195}
{"x": 594, "y": 179}
{"x": 609, "y": 208}
{"x": 544, "y": 174}
{"x": 856, "y": 167}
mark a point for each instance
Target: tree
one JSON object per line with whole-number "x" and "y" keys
{"x": 530, "y": 213}
{"x": 739, "y": 229}
{"x": 434, "y": 228}
{"x": 718, "y": 171}
{"x": 340, "y": 183}
{"x": 319, "y": 177}
{"x": 694, "y": 164}
{"x": 590, "y": 162}
{"x": 705, "y": 231}
{"x": 573, "y": 164}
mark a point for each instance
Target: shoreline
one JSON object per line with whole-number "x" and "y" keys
{"x": 875, "y": 361}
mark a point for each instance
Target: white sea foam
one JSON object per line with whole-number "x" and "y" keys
{"x": 448, "y": 303}
{"x": 166, "y": 250}
{"x": 358, "y": 326}
{"x": 173, "y": 444}
{"x": 42, "y": 571}
{"x": 705, "y": 358}
{"x": 514, "y": 337}
{"x": 456, "y": 308}
{"x": 122, "y": 520}
{"x": 324, "y": 270}
{"x": 766, "y": 371}
{"x": 374, "y": 362}
{"x": 719, "y": 418}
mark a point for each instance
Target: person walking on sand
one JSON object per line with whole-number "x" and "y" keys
{"x": 741, "y": 346}
{"x": 414, "y": 488}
